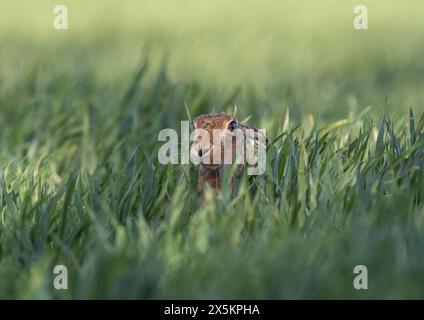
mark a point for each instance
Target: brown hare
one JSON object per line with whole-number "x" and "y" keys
{"x": 218, "y": 139}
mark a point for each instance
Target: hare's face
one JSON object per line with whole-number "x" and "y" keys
{"x": 213, "y": 141}
{"x": 221, "y": 139}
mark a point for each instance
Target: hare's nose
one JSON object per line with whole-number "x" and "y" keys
{"x": 201, "y": 151}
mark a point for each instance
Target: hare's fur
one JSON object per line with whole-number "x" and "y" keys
{"x": 210, "y": 173}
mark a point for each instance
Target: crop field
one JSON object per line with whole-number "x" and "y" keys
{"x": 80, "y": 181}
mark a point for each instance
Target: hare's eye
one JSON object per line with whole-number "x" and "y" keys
{"x": 232, "y": 125}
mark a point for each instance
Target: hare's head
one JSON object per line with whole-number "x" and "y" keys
{"x": 215, "y": 139}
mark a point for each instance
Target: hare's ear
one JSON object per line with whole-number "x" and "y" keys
{"x": 197, "y": 123}
{"x": 258, "y": 136}
{"x": 262, "y": 135}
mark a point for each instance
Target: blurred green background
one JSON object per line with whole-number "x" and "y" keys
{"x": 307, "y": 54}
{"x": 80, "y": 185}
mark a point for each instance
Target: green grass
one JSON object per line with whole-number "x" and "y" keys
{"x": 80, "y": 183}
